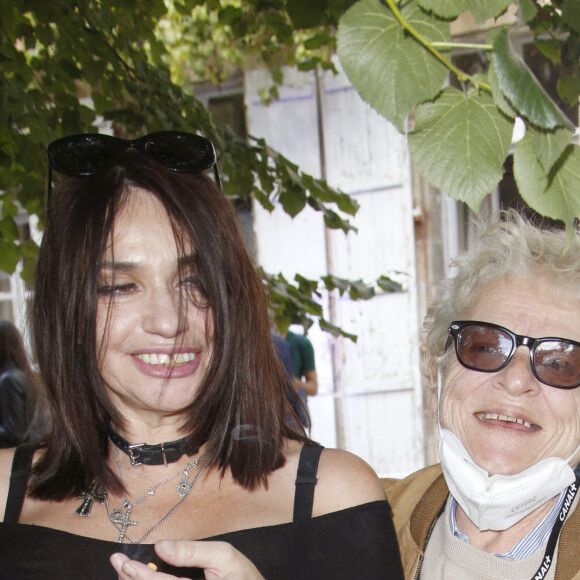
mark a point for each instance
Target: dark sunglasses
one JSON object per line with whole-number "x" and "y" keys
{"x": 90, "y": 154}
{"x": 487, "y": 347}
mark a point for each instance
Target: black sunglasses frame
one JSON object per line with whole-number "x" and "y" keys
{"x": 517, "y": 340}
{"x": 102, "y": 152}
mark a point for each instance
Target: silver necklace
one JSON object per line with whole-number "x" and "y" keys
{"x": 121, "y": 517}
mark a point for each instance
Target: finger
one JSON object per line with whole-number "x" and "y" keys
{"x": 218, "y": 559}
{"x": 128, "y": 569}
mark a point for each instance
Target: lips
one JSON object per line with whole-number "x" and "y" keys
{"x": 505, "y": 418}
{"x": 173, "y": 364}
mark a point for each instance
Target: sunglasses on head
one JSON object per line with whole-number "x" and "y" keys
{"x": 89, "y": 154}
{"x": 487, "y": 347}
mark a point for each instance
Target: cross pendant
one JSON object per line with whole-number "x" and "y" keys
{"x": 123, "y": 519}
{"x": 94, "y": 494}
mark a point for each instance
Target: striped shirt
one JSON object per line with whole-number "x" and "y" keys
{"x": 530, "y": 542}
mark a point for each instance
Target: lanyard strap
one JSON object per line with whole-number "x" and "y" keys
{"x": 555, "y": 534}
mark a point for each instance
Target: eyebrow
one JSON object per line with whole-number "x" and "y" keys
{"x": 188, "y": 260}
{"x": 120, "y": 266}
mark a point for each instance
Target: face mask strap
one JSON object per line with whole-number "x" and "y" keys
{"x": 439, "y": 363}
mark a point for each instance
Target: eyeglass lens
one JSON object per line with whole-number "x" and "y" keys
{"x": 487, "y": 348}
{"x": 87, "y": 155}
{"x": 483, "y": 347}
{"x": 558, "y": 362}
{"x": 180, "y": 153}
{"x": 94, "y": 153}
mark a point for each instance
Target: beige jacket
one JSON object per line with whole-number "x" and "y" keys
{"x": 416, "y": 501}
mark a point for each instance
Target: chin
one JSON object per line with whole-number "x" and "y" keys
{"x": 502, "y": 465}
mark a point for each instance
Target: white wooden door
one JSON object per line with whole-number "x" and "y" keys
{"x": 369, "y": 399}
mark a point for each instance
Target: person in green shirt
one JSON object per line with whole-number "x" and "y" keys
{"x": 305, "y": 378}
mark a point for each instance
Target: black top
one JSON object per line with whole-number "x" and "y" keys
{"x": 357, "y": 542}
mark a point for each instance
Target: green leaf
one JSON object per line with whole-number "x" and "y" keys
{"x": 332, "y": 282}
{"x": 447, "y": 9}
{"x": 347, "y": 204}
{"x": 306, "y": 285}
{"x": 568, "y": 88}
{"x": 527, "y": 10}
{"x": 388, "y": 68}
{"x": 389, "y": 285}
{"x": 450, "y": 9}
{"x": 333, "y": 221}
{"x": 549, "y": 146}
{"x": 482, "y": 10}
{"x": 335, "y": 330}
{"x": 551, "y": 48}
{"x": 522, "y": 88}
{"x": 293, "y": 201}
{"x": 29, "y": 252}
{"x": 360, "y": 290}
{"x": 556, "y": 195}
{"x": 9, "y": 208}
{"x": 500, "y": 99}
{"x": 263, "y": 200}
{"x": 571, "y": 14}
{"x": 9, "y": 256}
{"x": 460, "y": 143}
{"x": 8, "y": 228}
{"x": 305, "y": 13}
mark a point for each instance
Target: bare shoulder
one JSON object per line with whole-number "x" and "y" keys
{"x": 6, "y": 456}
{"x": 344, "y": 480}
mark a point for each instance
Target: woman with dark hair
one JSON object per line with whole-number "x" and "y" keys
{"x": 17, "y": 388}
{"x": 167, "y": 397}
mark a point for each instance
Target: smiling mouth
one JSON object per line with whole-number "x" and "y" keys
{"x": 506, "y": 418}
{"x": 166, "y": 359}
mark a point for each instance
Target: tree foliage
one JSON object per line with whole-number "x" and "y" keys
{"x": 397, "y": 55}
{"x": 69, "y": 65}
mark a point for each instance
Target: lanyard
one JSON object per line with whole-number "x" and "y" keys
{"x": 555, "y": 534}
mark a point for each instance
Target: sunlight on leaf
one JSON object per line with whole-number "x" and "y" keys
{"x": 487, "y": 9}
{"x": 555, "y": 196}
{"x": 549, "y": 146}
{"x": 448, "y": 9}
{"x": 460, "y": 143}
{"x": 522, "y": 89}
{"x": 498, "y": 96}
{"x": 389, "y": 69}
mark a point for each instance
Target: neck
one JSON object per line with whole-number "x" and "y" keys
{"x": 500, "y": 542}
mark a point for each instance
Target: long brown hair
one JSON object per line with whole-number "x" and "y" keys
{"x": 240, "y": 410}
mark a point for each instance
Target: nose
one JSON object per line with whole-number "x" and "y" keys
{"x": 165, "y": 313}
{"x": 517, "y": 377}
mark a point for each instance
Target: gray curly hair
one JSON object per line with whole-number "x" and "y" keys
{"x": 509, "y": 245}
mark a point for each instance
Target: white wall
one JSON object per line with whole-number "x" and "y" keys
{"x": 369, "y": 399}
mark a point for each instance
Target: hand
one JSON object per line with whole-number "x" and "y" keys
{"x": 219, "y": 560}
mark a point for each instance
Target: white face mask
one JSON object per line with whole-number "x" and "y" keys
{"x": 500, "y": 501}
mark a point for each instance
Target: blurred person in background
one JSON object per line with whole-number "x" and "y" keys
{"x": 19, "y": 392}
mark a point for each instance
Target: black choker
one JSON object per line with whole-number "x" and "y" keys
{"x": 162, "y": 453}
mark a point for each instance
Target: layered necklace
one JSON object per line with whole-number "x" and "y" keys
{"x": 122, "y": 517}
